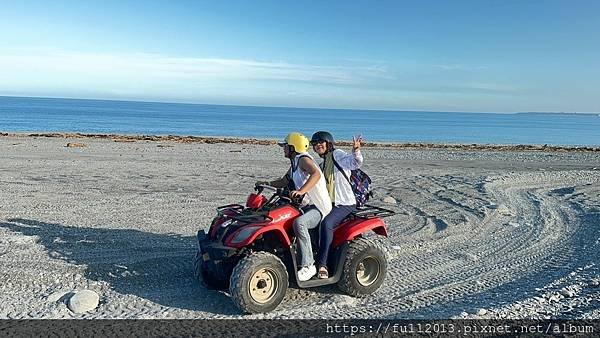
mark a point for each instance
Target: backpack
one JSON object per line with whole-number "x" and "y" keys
{"x": 360, "y": 183}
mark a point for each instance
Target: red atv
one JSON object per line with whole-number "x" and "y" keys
{"x": 252, "y": 250}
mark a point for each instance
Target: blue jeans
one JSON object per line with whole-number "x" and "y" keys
{"x": 329, "y": 223}
{"x": 310, "y": 219}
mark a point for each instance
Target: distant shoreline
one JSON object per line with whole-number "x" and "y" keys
{"x": 237, "y": 140}
{"x": 391, "y": 110}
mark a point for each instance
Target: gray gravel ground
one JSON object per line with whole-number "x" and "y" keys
{"x": 476, "y": 234}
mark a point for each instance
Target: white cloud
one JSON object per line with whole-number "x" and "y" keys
{"x": 38, "y": 65}
{"x": 490, "y": 87}
{"x": 460, "y": 67}
{"x": 360, "y": 83}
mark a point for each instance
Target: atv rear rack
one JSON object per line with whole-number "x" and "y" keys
{"x": 370, "y": 211}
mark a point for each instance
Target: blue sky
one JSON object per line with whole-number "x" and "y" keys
{"x": 488, "y": 56}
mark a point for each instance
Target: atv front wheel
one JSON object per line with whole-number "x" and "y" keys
{"x": 364, "y": 269}
{"x": 258, "y": 282}
{"x": 202, "y": 274}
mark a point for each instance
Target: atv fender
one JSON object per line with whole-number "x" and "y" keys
{"x": 356, "y": 227}
{"x": 283, "y": 237}
{"x": 282, "y": 220}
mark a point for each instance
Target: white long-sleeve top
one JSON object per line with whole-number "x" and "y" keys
{"x": 343, "y": 190}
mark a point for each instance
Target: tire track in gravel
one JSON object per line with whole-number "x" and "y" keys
{"x": 532, "y": 250}
{"x": 486, "y": 256}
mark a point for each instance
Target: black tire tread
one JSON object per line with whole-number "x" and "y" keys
{"x": 356, "y": 248}
{"x": 243, "y": 268}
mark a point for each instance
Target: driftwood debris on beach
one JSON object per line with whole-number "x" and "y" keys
{"x": 234, "y": 140}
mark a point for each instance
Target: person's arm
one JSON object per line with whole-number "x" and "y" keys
{"x": 278, "y": 183}
{"x": 347, "y": 161}
{"x": 350, "y": 161}
{"x": 314, "y": 173}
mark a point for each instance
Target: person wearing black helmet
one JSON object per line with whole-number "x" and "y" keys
{"x": 338, "y": 187}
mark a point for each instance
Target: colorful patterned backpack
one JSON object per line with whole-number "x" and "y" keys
{"x": 360, "y": 183}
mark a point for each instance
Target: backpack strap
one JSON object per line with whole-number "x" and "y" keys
{"x": 341, "y": 170}
{"x": 294, "y": 169}
{"x": 290, "y": 174}
{"x": 347, "y": 179}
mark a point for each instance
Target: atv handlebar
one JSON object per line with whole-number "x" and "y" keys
{"x": 260, "y": 187}
{"x": 292, "y": 200}
{"x": 282, "y": 193}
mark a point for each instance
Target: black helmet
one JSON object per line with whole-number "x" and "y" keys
{"x": 321, "y": 136}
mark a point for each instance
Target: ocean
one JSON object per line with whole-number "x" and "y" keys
{"x": 26, "y": 114}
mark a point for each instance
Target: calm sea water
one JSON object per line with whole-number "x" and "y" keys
{"x": 20, "y": 114}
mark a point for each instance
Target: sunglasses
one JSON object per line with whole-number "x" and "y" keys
{"x": 314, "y": 143}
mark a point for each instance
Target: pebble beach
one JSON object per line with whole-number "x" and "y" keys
{"x": 479, "y": 231}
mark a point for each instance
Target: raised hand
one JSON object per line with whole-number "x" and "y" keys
{"x": 356, "y": 142}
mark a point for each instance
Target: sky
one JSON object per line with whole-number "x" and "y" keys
{"x": 480, "y": 56}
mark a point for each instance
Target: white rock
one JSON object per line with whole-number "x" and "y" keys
{"x": 555, "y": 298}
{"x": 84, "y": 301}
{"x": 567, "y": 293}
{"x": 56, "y": 296}
{"x": 514, "y": 224}
{"x": 503, "y": 210}
{"x": 472, "y": 257}
{"x": 389, "y": 200}
{"x": 482, "y": 312}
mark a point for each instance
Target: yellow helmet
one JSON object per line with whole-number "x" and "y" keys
{"x": 299, "y": 141}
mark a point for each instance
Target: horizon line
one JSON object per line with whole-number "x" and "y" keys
{"x": 291, "y": 107}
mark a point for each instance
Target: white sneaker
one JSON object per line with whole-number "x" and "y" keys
{"x": 306, "y": 273}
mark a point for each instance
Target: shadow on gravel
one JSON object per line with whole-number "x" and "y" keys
{"x": 156, "y": 267}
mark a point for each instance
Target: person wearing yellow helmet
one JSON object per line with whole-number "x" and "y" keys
{"x": 307, "y": 179}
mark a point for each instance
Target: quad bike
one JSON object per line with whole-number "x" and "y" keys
{"x": 251, "y": 250}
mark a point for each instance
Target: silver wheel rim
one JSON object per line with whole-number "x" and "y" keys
{"x": 263, "y": 285}
{"x": 367, "y": 271}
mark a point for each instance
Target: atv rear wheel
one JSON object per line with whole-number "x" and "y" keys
{"x": 364, "y": 269}
{"x": 258, "y": 282}
{"x": 203, "y": 275}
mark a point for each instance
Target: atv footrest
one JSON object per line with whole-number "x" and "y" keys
{"x": 318, "y": 282}
{"x": 339, "y": 258}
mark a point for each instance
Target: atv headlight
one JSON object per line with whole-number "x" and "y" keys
{"x": 244, "y": 233}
